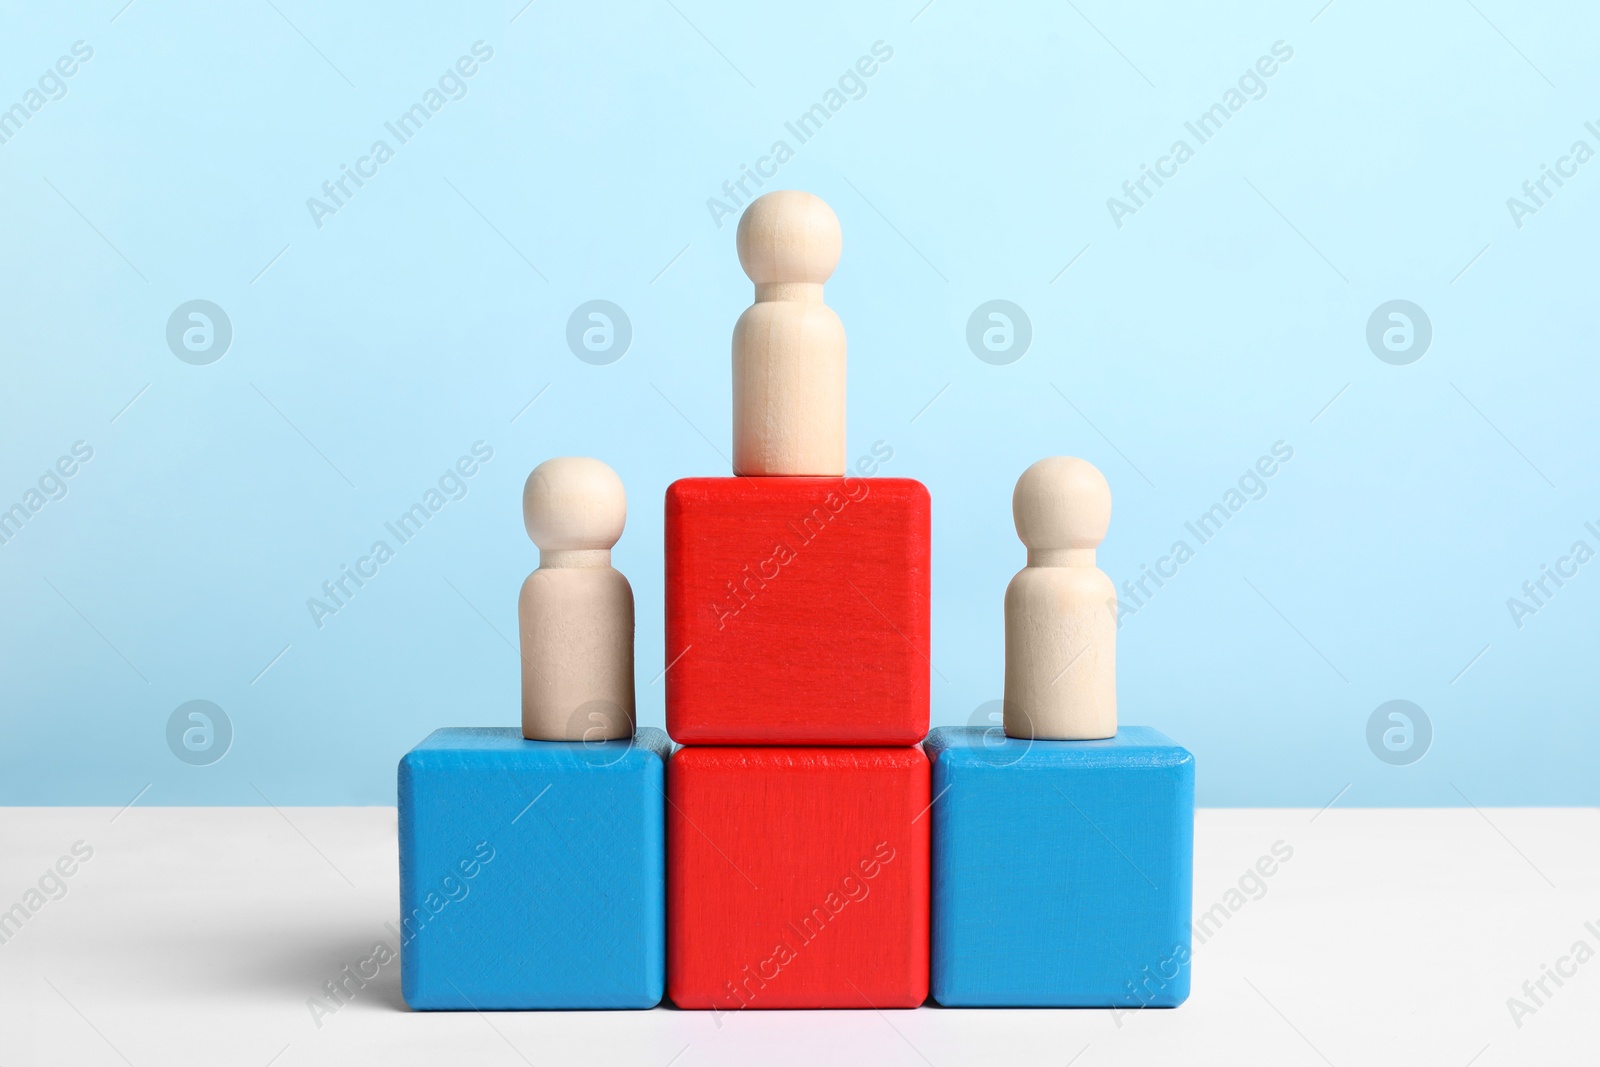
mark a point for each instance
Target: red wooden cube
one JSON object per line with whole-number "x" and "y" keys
{"x": 797, "y": 877}
{"x": 797, "y": 611}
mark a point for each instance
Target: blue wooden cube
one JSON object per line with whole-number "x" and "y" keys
{"x": 532, "y": 872}
{"x": 1062, "y": 870}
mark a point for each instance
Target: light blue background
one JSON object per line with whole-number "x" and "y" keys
{"x": 1222, "y": 317}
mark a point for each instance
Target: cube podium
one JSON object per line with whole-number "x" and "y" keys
{"x": 531, "y": 872}
{"x": 1062, "y": 870}
{"x": 797, "y": 611}
{"x": 809, "y": 848}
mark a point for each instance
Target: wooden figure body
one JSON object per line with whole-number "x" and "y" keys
{"x": 575, "y": 612}
{"x": 1061, "y": 619}
{"x": 788, "y": 347}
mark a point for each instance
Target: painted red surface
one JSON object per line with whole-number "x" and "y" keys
{"x": 797, "y": 611}
{"x": 797, "y": 877}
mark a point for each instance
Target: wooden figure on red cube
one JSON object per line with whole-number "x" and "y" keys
{"x": 797, "y": 615}
{"x": 797, "y": 593}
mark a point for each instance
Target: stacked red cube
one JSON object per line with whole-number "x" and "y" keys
{"x": 797, "y": 633}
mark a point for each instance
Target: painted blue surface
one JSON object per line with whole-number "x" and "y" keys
{"x": 1062, "y": 870}
{"x": 532, "y": 872}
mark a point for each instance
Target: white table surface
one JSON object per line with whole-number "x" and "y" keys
{"x": 196, "y": 935}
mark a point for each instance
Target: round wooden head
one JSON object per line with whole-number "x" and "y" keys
{"x": 789, "y": 236}
{"x": 1061, "y": 504}
{"x": 574, "y": 503}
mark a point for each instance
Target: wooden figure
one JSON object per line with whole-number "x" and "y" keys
{"x": 576, "y": 611}
{"x": 788, "y": 347}
{"x": 1061, "y": 618}
{"x": 797, "y": 611}
{"x": 797, "y": 877}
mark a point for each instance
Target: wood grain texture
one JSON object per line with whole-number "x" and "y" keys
{"x": 575, "y": 613}
{"x": 797, "y": 877}
{"x": 797, "y": 611}
{"x": 788, "y": 346}
{"x": 1061, "y": 609}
